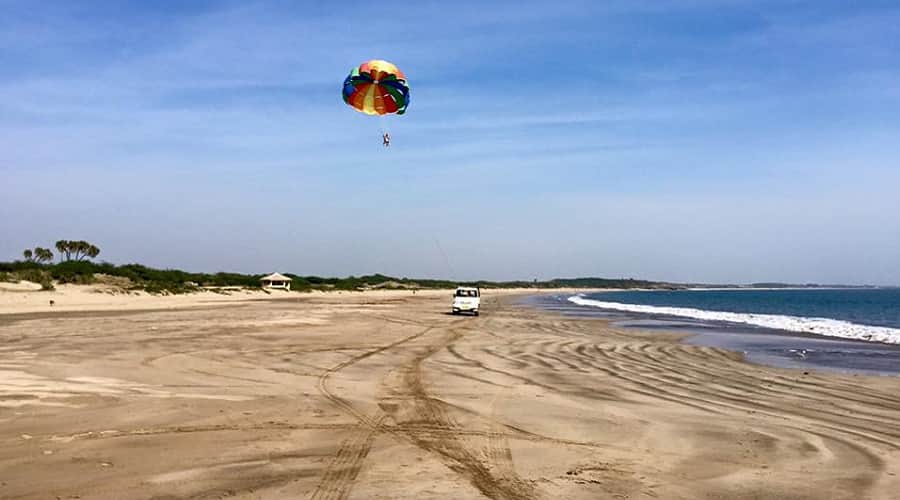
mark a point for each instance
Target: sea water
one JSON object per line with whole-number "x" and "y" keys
{"x": 850, "y": 330}
{"x": 864, "y": 314}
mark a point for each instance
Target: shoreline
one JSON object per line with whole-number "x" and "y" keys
{"x": 825, "y": 326}
{"x": 760, "y": 345}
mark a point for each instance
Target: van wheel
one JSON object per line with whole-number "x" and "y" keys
{"x": 475, "y": 313}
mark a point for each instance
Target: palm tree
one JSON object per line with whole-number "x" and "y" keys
{"x": 43, "y": 255}
{"x": 81, "y": 249}
{"x": 76, "y": 250}
{"x": 62, "y": 246}
{"x": 29, "y": 256}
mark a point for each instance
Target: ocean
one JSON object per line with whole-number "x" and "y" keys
{"x": 849, "y": 330}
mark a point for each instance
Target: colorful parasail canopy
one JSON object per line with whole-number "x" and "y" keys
{"x": 377, "y": 87}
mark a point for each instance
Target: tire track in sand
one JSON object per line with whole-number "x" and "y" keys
{"x": 340, "y": 474}
{"x": 481, "y": 457}
{"x": 424, "y": 414}
{"x": 338, "y": 478}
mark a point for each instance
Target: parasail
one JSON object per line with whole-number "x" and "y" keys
{"x": 377, "y": 87}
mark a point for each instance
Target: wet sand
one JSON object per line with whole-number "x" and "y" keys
{"x": 385, "y": 395}
{"x": 780, "y": 348}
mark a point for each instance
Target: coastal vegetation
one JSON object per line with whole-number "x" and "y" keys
{"x": 174, "y": 281}
{"x": 76, "y": 250}
{"x": 140, "y": 277}
{"x": 79, "y": 270}
{"x": 39, "y": 255}
{"x": 76, "y": 266}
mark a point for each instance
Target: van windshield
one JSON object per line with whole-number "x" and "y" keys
{"x": 467, "y": 293}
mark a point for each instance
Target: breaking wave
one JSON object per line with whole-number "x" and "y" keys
{"x": 818, "y": 326}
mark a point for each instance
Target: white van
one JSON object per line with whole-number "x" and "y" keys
{"x": 466, "y": 299}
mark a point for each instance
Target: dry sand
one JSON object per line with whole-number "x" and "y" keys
{"x": 384, "y": 395}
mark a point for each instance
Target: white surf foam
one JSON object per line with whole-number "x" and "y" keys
{"x": 818, "y": 326}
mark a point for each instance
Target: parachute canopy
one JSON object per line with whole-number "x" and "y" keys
{"x": 377, "y": 87}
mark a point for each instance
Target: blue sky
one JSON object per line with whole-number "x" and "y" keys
{"x": 694, "y": 141}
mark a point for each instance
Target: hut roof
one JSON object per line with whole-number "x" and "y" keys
{"x": 275, "y": 277}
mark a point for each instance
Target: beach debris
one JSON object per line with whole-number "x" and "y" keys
{"x": 26, "y": 437}
{"x": 800, "y": 353}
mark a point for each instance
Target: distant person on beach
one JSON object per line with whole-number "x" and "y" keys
{"x": 386, "y": 139}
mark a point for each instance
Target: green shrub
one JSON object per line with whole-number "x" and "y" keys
{"x": 160, "y": 288}
{"x": 33, "y": 275}
{"x": 47, "y": 284}
{"x": 19, "y": 265}
{"x": 76, "y": 272}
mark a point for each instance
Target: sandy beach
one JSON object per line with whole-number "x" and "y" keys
{"x": 385, "y": 395}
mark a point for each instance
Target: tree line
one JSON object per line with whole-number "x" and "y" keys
{"x": 77, "y": 250}
{"x": 76, "y": 265}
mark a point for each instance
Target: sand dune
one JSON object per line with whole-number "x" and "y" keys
{"x": 383, "y": 395}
